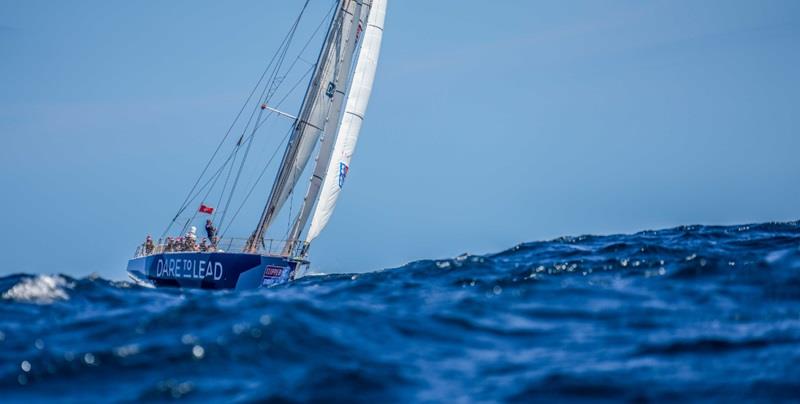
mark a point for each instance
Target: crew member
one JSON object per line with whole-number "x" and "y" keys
{"x": 191, "y": 239}
{"x": 148, "y": 245}
{"x": 211, "y": 231}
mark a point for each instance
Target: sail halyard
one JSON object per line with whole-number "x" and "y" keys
{"x": 355, "y": 109}
{"x": 327, "y": 142}
{"x": 312, "y": 120}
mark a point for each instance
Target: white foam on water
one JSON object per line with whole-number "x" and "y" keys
{"x": 41, "y": 289}
{"x": 776, "y": 256}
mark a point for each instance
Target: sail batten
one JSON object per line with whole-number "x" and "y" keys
{"x": 338, "y": 163}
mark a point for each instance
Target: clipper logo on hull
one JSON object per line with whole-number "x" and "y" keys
{"x": 273, "y": 272}
{"x": 273, "y": 275}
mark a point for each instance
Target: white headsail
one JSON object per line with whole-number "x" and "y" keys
{"x": 357, "y": 100}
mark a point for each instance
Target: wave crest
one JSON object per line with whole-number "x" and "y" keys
{"x": 40, "y": 289}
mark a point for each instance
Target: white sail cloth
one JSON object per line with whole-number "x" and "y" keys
{"x": 357, "y": 100}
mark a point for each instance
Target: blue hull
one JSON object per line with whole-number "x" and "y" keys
{"x": 217, "y": 270}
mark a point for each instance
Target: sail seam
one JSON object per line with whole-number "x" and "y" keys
{"x": 310, "y": 124}
{"x": 359, "y": 116}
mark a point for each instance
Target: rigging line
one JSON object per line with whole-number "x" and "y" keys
{"x": 239, "y": 173}
{"x": 274, "y": 153}
{"x": 225, "y": 186}
{"x": 274, "y": 89}
{"x": 289, "y": 223}
{"x": 283, "y": 50}
{"x": 312, "y": 66}
{"x": 213, "y": 178}
{"x": 260, "y": 122}
{"x": 233, "y": 124}
{"x": 233, "y": 154}
{"x": 260, "y": 176}
{"x": 268, "y": 85}
{"x": 290, "y": 237}
{"x": 324, "y": 20}
{"x": 227, "y": 180}
{"x": 291, "y": 151}
{"x": 274, "y": 82}
{"x": 294, "y": 87}
{"x": 303, "y": 48}
{"x": 250, "y": 140}
{"x": 210, "y": 188}
{"x": 291, "y": 90}
{"x": 177, "y": 216}
{"x": 270, "y": 89}
{"x": 216, "y": 175}
{"x": 281, "y": 56}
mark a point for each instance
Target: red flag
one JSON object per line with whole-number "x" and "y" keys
{"x": 206, "y": 209}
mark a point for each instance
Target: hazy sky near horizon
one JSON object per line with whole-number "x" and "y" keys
{"x": 488, "y": 126}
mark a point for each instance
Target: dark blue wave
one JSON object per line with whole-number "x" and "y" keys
{"x": 690, "y": 313}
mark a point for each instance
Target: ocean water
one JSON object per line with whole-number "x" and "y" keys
{"x": 691, "y": 313}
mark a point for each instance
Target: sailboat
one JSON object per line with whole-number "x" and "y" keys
{"x": 329, "y": 121}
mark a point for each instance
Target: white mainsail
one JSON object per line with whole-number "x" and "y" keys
{"x": 320, "y": 111}
{"x": 357, "y": 100}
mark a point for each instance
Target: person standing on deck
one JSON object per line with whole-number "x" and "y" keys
{"x": 211, "y": 231}
{"x": 148, "y": 245}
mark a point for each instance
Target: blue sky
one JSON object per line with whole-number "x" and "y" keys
{"x": 488, "y": 126}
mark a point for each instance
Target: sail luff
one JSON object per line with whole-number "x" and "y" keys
{"x": 347, "y": 138}
{"x": 311, "y": 122}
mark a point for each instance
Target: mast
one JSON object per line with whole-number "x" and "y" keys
{"x": 323, "y": 158}
{"x": 322, "y": 102}
{"x": 334, "y": 166}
